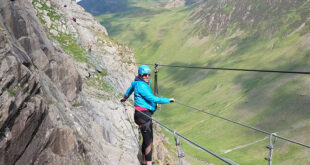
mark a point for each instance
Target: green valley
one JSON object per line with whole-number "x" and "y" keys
{"x": 256, "y": 34}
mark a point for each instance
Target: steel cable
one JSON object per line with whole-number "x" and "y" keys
{"x": 236, "y": 69}
{"x": 130, "y": 122}
{"x": 231, "y": 69}
{"x": 244, "y": 125}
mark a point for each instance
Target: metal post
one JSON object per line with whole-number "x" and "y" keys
{"x": 270, "y": 147}
{"x": 156, "y": 83}
{"x": 179, "y": 149}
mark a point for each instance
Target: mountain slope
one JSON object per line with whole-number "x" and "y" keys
{"x": 234, "y": 34}
{"x": 262, "y": 17}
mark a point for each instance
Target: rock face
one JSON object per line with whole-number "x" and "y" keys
{"x": 60, "y": 84}
{"x": 28, "y": 127}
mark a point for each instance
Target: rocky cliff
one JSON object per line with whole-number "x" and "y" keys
{"x": 61, "y": 78}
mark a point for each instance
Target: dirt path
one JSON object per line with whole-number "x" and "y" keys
{"x": 243, "y": 146}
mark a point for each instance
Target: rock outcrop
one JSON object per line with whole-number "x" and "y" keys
{"x": 174, "y": 3}
{"x": 60, "y": 82}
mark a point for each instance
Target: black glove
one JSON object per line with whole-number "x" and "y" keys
{"x": 123, "y": 100}
{"x": 171, "y": 100}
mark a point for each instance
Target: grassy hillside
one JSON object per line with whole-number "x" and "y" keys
{"x": 273, "y": 102}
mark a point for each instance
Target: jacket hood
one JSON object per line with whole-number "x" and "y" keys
{"x": 138, "y": 78}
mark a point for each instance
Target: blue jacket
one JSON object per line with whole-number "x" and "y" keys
{"x": 144, "y": 96}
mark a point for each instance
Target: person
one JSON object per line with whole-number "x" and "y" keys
{"x": 145, "y": 103}
{"x": 89, "y": 48}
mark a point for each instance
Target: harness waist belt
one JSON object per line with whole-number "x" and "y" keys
{"x": 141, "y": 108}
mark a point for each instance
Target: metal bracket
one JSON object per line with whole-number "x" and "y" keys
{"x": 179, "y": 149}
{"x": 156, "y": 67}
{"x": 271, "y": 147}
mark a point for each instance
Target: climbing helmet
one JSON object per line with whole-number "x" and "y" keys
{"x": 144, "y": 69}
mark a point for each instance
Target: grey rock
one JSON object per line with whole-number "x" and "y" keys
{"x": 49, "y": 114}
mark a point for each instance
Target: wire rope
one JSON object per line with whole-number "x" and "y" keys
{"x": 244, "y": 125}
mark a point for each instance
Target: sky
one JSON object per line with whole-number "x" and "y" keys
{"x": 78, "y": 0}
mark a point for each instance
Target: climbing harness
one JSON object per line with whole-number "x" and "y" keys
{"x": 179, "y": 149}
{"x": 272, "y": 141}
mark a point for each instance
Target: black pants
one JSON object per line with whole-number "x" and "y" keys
{"x": 147, "y": 132}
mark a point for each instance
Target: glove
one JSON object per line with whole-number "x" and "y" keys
{"x": 157, "y": 106}
{"x": 171, "y": 100}
{"x": 123, "y": 100}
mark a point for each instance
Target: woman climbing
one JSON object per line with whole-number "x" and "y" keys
{"x": 145, "y": 103}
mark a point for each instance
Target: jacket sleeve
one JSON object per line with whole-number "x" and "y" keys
{"x": 147, "y": 94}
{"x": 129, "y": 91}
